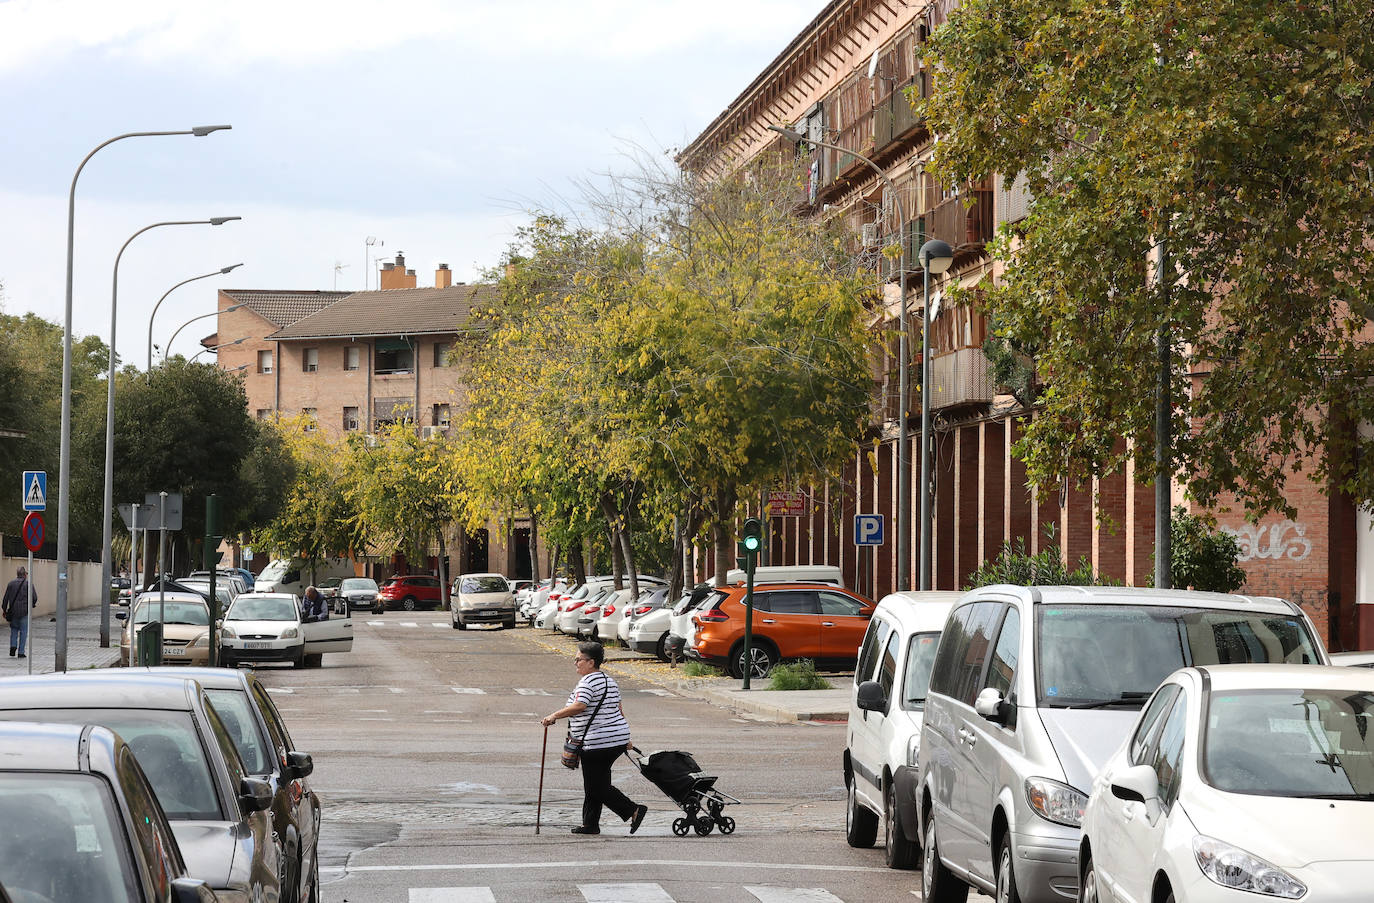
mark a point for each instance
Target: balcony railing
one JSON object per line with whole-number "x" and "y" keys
{"x": 960, "y": 377}
{"x": 959, "y": 225}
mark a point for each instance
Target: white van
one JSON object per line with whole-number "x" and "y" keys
{"x": 1033, "y": 689}
{"x": 885, "y": 708}
{"x": 293, "y": 575}
{"x": 791, "y": 573}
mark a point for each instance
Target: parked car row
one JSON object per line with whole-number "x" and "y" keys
{"x": 155, "y": 785}
{"x": 1110, "y": 744}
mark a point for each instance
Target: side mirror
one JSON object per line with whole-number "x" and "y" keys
{"x": 122, "y": 615}
{"x": 1137, "y": 784}
{"x": 192, "y": 890}
{"x": 299, "y": 764}
{"x": 871, "y": 697}
{"x": 992, "y": 706}
{"x": 254, "y": 795}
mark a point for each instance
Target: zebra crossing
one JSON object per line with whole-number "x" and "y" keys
{"x": 634, "y": 892}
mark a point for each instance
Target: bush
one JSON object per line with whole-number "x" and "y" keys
{"x": 1016, "y": 566}
{"x": 1203, "y": 558}
{"x": 800, "y": 675}
{"x": 697, "y": 669}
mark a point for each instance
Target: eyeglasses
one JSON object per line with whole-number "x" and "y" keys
{"x": 580, "y": 658}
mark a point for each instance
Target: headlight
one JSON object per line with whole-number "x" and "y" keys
{"x": 200, "y": 640}
{"x": 290, "y": 633}
{"x": 1233, "y": 867}
{"x": 913, "y": 750}
{"x": 1056, "y": 802}
{"x": 226, "y": 631}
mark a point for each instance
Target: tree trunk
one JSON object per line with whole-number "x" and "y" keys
{"x": 576, "y": 564}
{"x": 443, "y": 566}
{"x": 534, "y": 549}
{"x": 613, "y": 540}
{"x": 679, "y": 567}
{"x": 723, "y": 532}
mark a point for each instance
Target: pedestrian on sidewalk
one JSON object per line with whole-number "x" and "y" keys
{"x": 597, "y": 717}
{"x": 15, "y": 608}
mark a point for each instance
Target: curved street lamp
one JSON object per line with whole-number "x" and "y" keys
{"x": 107, "y": 512}
{"x": 214, "y": 313}
{"x": 218, "y": 272}
{"x": 64, "y": 467}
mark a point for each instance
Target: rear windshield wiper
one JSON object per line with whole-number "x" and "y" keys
{"x": 1129, "y": 698}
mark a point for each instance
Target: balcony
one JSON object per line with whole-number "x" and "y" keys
{"x": 960, "y": 377}
{"x": 963, "y": 226}
{"x": 893, "y": 116}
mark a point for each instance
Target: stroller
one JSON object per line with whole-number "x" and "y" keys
{"x": 678, "y": 775}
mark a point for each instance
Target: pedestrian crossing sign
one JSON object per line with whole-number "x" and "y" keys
{"x": 35, "y": 490}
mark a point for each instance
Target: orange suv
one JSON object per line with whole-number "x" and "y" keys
{"x": 791, "y": 620}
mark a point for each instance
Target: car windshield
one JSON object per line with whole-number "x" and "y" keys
{"x": 483, "y": 585}
{"x": 236, "y": 712}
{"x": 1299, "y": 743}
{"x": 62, "y": 839}
{"x": 1116, "y": 655}
{"x": 172, "y": 612}
{"x": 359, "y": 583}
{"x": 168, "y": 750}
{"x": 223, "y": 592}
{"x": 920, "y": 656}
{"x": 263, "y": 608}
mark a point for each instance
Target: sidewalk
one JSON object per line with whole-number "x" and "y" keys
{"x": 83, "y": 643}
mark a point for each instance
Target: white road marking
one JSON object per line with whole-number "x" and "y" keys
{"x": 375, "y": 719}
{"x": 396, "y": 690}
{"x": 375, "y": 623}
{"x": 657, "y": 692}
{"x": 792, "y": 895}
{"x": 532, "y": 691}
{"x": 624, "y": 893}
{"x": 285, "y": 691}
{"x": 439, "y": 624}
{"x": 518, "y": 714}
{"x": 470, "y": 691}
{"x": 693, "y": 864}
{"x": 409, "y": 624}
{"x": 451, "y": 895}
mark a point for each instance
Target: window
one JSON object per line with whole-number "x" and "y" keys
{"x": 311, "y": 419}
{"x": 887, "y": 667}
{"x": 441, "y": 350}
{"x": 835, "y": 604}
{"x": 1003, "y": 666}
{"x": 352, "y": 357}
{"x": 264, "y": 413}
{"x": 350, "y": 418}
{"x": 878, "y": 630}
{"x": 395, "y": 356}
{"x": 959, "y": 670}
{"x": 441, "y": 416}
{"x": 310, "y": 360}
{"x": 1146, "y": 731}
{"x": 264, "y": 361}
{"x": 920, "y": 656}
{"x": 797, "y": 603}
{"x": 1166, "y": 757}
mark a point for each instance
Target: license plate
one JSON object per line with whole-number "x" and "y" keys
{"x": 250, "y": 644}
{"x": 173, "y": 650}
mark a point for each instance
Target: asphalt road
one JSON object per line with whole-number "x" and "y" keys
{"x": 427, "y": 747}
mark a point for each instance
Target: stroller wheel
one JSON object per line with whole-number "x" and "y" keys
{"x": 704, "y": 825}
{"x": 681, "y": 826}
{"x": 727, "y": 824}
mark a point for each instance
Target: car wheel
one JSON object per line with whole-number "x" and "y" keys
{"x": 661, "y": 648}
{"x": 315, "y": 660}
{"x": 408, "y": 603}
{"x": 762, "y": 658}
{"x": 902, "y": 852}
{"x": 938, "y": 884}
{"x": 1006, "y": 875}
{"x": 299, "y": 660}
{"x": 509, "y": 625}
{"x": 461, "y": 625}
{"x": 226, "y": 660}
{"x": 860, "y": 825}
{"x": 453, "y": 617}
{"x": 1087, "y": 890}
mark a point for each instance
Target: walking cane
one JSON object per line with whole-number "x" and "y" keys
{"x": 539, "y": 807}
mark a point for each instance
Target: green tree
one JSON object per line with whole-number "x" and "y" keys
{"x": 1239, "y": 135}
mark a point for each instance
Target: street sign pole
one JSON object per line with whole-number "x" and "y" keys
{"x": 28, "y": 634}
{"x": 34, "y": 492}
{"x": 211, "y": 560}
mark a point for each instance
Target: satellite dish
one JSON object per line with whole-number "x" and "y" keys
{"x": 873, "y": 64}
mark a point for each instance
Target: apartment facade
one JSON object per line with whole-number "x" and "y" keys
{"x": 356, "y": 362}
{"x": 844, "y": 81}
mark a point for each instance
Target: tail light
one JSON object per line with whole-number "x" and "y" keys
{"x": 607, "y": 611}
{"x": 714, "y": 615}
{"x": 643, "y": 610}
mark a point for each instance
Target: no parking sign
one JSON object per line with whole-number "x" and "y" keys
{"x": 34, "y": 531}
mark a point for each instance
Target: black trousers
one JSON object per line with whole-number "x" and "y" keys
{"x": 598, "y": 790}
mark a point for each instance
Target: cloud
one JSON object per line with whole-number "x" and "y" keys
{"x": 305, "y": 32}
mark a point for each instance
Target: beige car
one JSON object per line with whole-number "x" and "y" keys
{"x": 185, "y": 621}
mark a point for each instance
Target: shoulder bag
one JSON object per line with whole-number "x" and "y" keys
{"x": 572, "y": 747}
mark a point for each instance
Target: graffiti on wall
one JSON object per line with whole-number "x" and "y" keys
{"x": 1284, "y": 540}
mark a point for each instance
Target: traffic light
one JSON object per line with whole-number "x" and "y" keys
{"x": 751, "y": 536}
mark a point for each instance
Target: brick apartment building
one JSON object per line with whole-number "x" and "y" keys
{"x": 357, "y": 361}
{"x": 842, "y": 81}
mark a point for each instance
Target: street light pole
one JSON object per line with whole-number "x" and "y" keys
{"x": 218, "y": 272}
{"x": 107, "y": 512}
{"x": 936, "y": 257}
{"x": 903, "y": 365}
{"x": 64, "y": 466}
{"x": 214, "y": 313}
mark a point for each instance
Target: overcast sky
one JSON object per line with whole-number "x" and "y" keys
{"x": 434, "y": 126}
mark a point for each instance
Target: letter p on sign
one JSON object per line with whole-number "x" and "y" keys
{"x": 868, "y": 529}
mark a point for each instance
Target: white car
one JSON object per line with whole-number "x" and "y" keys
{"x": 1239, "y": 782}
{"x": 613, "y": 611}
{"x": 575, "y": 605}
{"x": 1353, "y": 659}
{"x": 649, "y": 632}
{"x": 481, "y": 599}
{"x": 650, "y": 600}
{"x": 267, "y": 627}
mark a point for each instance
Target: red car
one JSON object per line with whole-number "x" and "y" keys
{"x": 409, "y": 593}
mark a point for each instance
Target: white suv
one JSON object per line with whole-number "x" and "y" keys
{"x": 886, "y": 703}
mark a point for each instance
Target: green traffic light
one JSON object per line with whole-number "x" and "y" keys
{"x": 751, "y": 535}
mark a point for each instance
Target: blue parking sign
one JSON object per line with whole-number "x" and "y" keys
{"x": 868, "y": 529}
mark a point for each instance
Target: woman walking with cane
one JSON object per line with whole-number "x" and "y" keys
{"x": 598, "y": 721}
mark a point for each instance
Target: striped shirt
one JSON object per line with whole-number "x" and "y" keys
{"x": 610, "y": 727}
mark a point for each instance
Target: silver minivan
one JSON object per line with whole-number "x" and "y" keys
{"x": 1032, "y": 689}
